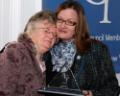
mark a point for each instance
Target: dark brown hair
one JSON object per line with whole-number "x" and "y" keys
{"x": 82, "y": 38}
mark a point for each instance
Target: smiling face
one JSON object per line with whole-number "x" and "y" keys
{"x": 44, "y": 35}
{"x": 66, "y": 23}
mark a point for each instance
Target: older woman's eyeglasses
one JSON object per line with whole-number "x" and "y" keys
{"x": 51, "y": 30}
{"x": 67, "y": 22}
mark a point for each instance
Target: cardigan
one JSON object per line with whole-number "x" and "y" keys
{"x": 20, "y": 74}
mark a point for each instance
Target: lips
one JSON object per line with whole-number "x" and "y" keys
{"x": 62, "y": 31}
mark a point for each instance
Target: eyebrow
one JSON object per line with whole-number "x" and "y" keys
{"x": 45, "y": 27}
{"x": 67, "y": 19}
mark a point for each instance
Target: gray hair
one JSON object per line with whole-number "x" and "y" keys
{"x": 38, "y": 17}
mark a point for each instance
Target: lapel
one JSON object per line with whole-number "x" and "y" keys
{"x": 78, "y": 64}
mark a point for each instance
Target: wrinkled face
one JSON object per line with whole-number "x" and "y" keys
{"x": 44, "y": 36}
{"x": 66, "y": 23}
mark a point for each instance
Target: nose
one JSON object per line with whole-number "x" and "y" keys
{"x": 51, "y": 35}
{"x": 62, "y": 25}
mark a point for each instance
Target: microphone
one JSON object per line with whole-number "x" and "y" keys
{"x": 73, "y": 76}
{"x": 65, "y": 75}
{"x": 56, "y": 76}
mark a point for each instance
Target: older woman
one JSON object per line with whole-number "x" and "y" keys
{"x": 22, "y": 69}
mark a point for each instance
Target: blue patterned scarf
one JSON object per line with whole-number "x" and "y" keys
{"x": 63, "y": 55}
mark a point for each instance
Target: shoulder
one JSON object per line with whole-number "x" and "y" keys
{"x": 98, "y": 45}
{"x": 9, "y": 53}
{"x": 12, "y": 50}
{"x": 13, "y": 46}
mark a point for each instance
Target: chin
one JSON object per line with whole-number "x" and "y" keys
{"x": 62, "y": 36}
{"x": 47, "y": 49}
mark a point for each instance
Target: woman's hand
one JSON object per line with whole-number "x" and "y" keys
{"x": 87, "y": 93}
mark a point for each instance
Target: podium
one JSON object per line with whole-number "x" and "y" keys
{"x": 60, "y": 91}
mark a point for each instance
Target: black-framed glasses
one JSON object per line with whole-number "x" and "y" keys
{"x": 67, "y": 22}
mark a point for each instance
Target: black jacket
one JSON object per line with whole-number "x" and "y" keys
{"x": 93, "y": 71}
